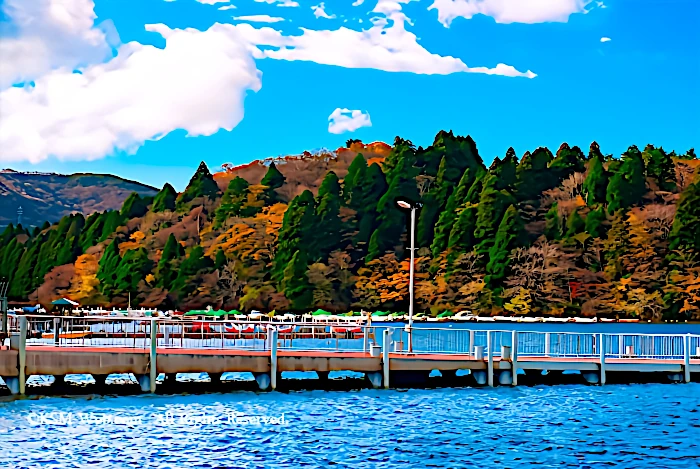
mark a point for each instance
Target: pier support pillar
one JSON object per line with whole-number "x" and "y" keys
{"x": 12, "y": 383}
{"x": 263, "y": 380}
{"x": 273, "y": 358}
{"x": 601, "y": 341}
{"x": 514, "y": 352}
{"x": 22, "y": 354}
{"x": 505, "y": 378}
{"x": 489, "y": 347}
{"x": 686, "y": 358}
{"x": 170, "y": 378}
{"x": 591, "y": 377}
{"x": 215, "y": 378}
{"x": 479, "y": 377}
{"x": 375, "y": 379}
{"x": 323, "y": 375}
{"x": 154, "y": 344}
{"x": 144, "y": 382}
{"x": 100, "y": 380}
{"x": 385, "y": 357}
{"x": 59, "y": 380}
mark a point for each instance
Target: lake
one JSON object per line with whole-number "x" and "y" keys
{"x": 626, "y": 426}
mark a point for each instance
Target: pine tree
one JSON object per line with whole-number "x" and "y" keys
{"x": 132, "y": 269}
{"x": 233, "y": 203}
{"x": 186, "y": 280}
{"x": 462, "y": 234}
{"x": 353, "y": 188}
{"x": 113, "y": 220}
{"x": 575, "y": 224}
{"x": 508, "y": 237}
{"x": 659, "y": 167}
{"x": 567, "y": 162}
{"x": 295, "y": 284}
{"x": 108, "y": 265}
{"x": 220, "y": 259}
{"x": 298, "y": 233}
{"x": 134, "y": 207}
{"x": 594, "y": 222}
{"x": 448, "y": 215}
{"x": 492, "y": 206}
{"x": 374, "y": 186}
{"x": 534, "y": 175}
{"x": 685, "y": 233}
{"x": 23, "y": 281}
{"x": 617, "y": 245}
{"x": 330, "y": 226}
{"x": 272, "y": 180}
{"x": 167, "y": 266}
{"x": 201, "y": 185}
{"x": 165, "y": 199}
{"x": 505, "y": 170}
{"x": 596, "y": 183}
{"x": 552, "y": 230}
{"x": 627, "y": 185}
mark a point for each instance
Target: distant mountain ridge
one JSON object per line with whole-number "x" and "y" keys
{"x": 50, "y": 196}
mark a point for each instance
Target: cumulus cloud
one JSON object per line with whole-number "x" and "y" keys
{"x": 357, "y": 3}
{"x": 141, "y": 94}
{"x": 259, "y": 18}
{"x": 320, "y": 12}
{"x": 345, "y": 120}
{"x": 605, "y": 39}
{"x": 386, "y": 46}
{"x": 49, "y": 34}
{"x": 212, "y": 2}
{"x": 509, "y": 11}
{"x": 227, "y": 7}
{"x": 280, "y": 3}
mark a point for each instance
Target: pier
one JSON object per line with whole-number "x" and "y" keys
{"x": 150, "y": 348}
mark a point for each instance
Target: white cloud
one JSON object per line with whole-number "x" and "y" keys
{"x": 357, "y": 3}
{"x": 384, "y": 46}
{"x": 227, "y": 7}
{"x": 212, "y": 2}
{"x": 198, "y": 83}
{"x": 259, "y": 18}
{"x": 509, "y": 11}
{"x": 345, "y": 120}
{"x": 605, "y": 39}
{"x": 320, "y": 12}
{"x": 280, "y": 3}
{"x": 51, "y": 33}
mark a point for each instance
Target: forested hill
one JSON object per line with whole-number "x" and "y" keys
{"x": 571, "y": 233}
{"x": 48, "y": 197}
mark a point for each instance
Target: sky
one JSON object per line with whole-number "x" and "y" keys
{"x": 146, "y": 89}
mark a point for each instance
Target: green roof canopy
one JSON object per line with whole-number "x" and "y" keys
{"x": 211, "y": 313}
{"x": 379, "y": 314}
{"x": 321, "y": 312}
{"x": 65, "y": 302}
{"x": 446, "y": 314}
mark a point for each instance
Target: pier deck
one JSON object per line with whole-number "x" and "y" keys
{"x": 491, "y": 357}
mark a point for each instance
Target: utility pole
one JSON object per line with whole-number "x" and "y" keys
{"x": 4, "y": 286}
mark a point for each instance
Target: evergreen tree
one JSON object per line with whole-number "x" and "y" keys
{"x": 353, "y": 189}
{"x": 23, "y": 281}
{"x": 448, "y": 215}
{"x": 112, "y": 221}
{"x": 272, "y": 180}
{"x": 295, "y": 284}
{"x": 185, "y": 282}
{"x": 220, "y": 259}
{"x": 7, "y": 235}
{"x": 462, "y": 234}
{"x": 373, "y": 188}
{"x": 505, "y": 171}
{"x": 92, "y": 231}
{"x": 165, "y": 199}
{"x": 330, "y": 226}
{"x": 508, "y": 237}
{"x": 201, "y": 185}
{"x": 167, "y": 266}
{"x": 567, "y": 162}
{"x": 108, "y": 265}
{"x": 134, "y": 207}
{"x": 596, "y": 183}
{"x": 233, "y": 203}
{"x": 659, "y": 167}
{"x": 685, "y": 233}
{"x": 492, "y": 206}
{"x": 534, "y": 175}
{"x": 132, "y": 269}
{"x": 298, "y": 233}
{"x": 617, "y": 245}
{"x": 627, "y": 185}
{"x": 552, "y": 229}
{"x": 69, "y": 249}
{"x": 575, "y": 224}
{"x": 594, "y": 222}
{"x": 10, "y": 258}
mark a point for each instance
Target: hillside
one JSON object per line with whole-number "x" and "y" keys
{"x": 49, "y": 197}
{"x": 565, "y": 233}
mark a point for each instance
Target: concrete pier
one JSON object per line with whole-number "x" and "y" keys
{"x": 510, "y": 360}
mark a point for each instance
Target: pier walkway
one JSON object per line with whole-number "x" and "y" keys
{"x": 148, "y": 348}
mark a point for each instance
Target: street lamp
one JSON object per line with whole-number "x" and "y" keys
{"x": 413, "y": 207}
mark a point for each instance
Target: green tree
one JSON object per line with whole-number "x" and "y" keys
{"x": 627, "y": 185}
{"x": 134, "y": 207}
{"x": 534, "y": 175}
{"x": 112, "y": 221}
{"x": 330, "y": 227}
{"x": 596, "y": 183}
{"x": 234, "y": 202}
{"x": 594, "y": 222}
{"x": 298, "y": 233}
{"x": 272, "y": 180}
{"x": 508, "y": 237}
{"x": 202, "y": 185}
{"x": 462, "y": 234}
{"x": 133, "y": 268}
{"x": 295, "y": 283}
{"x": 165, "y": 199}
{"x": 575, "y": 224}
{"x": 567, "y": 162}
{"x": 552, "y": 229}
{"x": 23, "y": 281}
{"x": 107, "y": 267}
{"x": 685, "y": 232}
{"x": 187, "y": 276}
{"x": 660, "y": 167}
{"x": 353, "y": 189}
{"x": 374, "y": 186}
{"x": 505, "y": 170}
{"x": 448, "y": 215}
{"x": 169, "y": 260}
{"x": 492, "y": 206}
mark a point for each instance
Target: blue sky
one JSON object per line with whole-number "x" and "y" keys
{"x": 94, "y": 89}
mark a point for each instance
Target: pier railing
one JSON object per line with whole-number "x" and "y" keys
{"x": 126, "y": 332}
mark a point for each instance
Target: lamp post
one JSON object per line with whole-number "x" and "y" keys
{"x": 413, "y": 207}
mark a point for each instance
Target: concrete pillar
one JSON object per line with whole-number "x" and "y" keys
{"x": 686, "y": 357}
{"x": 323, "y": 375}
{"x": 385, "y": 357}
{"x": 479, "y": 377}
{"x": 263, "y": 380}
{"x": 489, "y": 347}
{"x": 471, "y": 342}
{"x": 154, "y": 351}
{"x": 375, "y": 378}
{"x": 145, "y": 383}
{"x": 100, "y": 380}
{"x": 505, "y": 378}
{"x": 514, "y": 345}
{"x": 273, "y": 334}
{"x": 22, "y": 354}
{"x": 215, "y": 378}
{"x": 601, "y": 350}
{"x": 12, "y": 383}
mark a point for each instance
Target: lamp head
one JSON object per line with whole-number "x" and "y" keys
{"x": 404, "y": 204}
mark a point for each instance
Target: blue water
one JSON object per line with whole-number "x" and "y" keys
{"x": 636, "y": 426}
